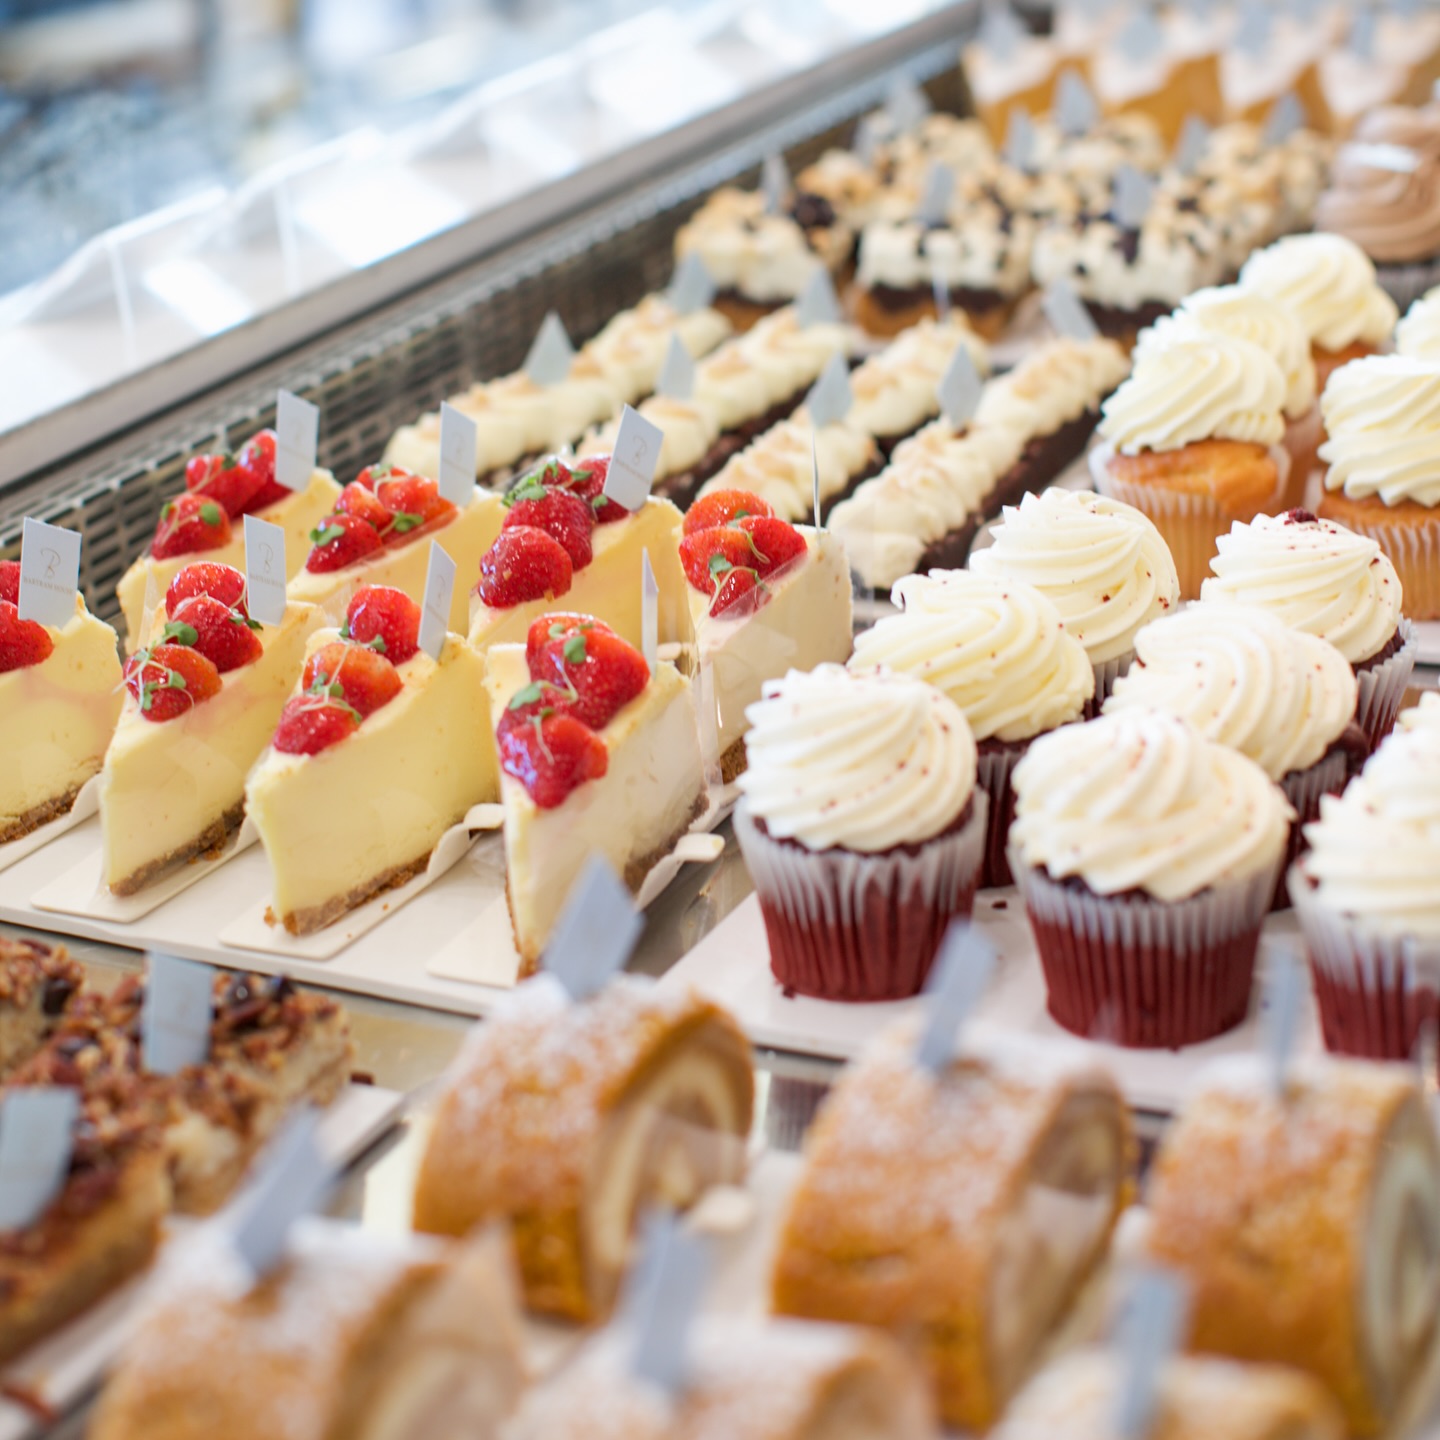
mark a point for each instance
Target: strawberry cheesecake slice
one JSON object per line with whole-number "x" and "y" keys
{"x": 766, "y": 597}
{"x": 598, "y": 756}
{"x": 562, "y": 539}
{"x": 208, "y": 521}
{"x": 59, "y": 700}
{"x": 377, "y": 754}
{"x": 379, "y": 533}
{"x": 203, "y": 697}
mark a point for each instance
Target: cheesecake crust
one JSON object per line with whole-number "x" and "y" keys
{"x": 317, "y": 917}
{"x": 733, "y": 762}
{"x": 41, "y": 814}
{"x": 207, "y": 845}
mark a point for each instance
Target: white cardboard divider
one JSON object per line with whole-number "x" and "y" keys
{"x": 87, "y": 803}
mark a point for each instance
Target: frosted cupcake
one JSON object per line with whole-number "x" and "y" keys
{"x": 1418, "y": 333}
{"x": 1000, "y": 651}
{"x": 1423, "y": 715}
{"x": 1244, "y": 679}
{"x": 1318, "y": 577}
{"x": 1192, "y": 439}
{"x": 1382, "y": 420}
{"x": 1231, "y": 310}
{"x": 1101, "y": 563}
{"x": 1329, "y": 282}
{"x": 1369, "y": 904}
{"x": 862, "y": 828}
{"x": 1147, "y": 856}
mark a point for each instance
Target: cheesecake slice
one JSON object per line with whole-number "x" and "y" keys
{"x": 377, "y": 754}
{"x": 203, "y": 698}
{"x": 231, "y": 486}
{"x": 59, "y": 700}
{"x": 598, "y": 756}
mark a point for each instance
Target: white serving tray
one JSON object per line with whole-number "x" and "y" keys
{"x": 1427, "y": 635}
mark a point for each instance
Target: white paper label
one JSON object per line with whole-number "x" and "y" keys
{"x": 596, "y": 932}
{"x": 1253, "y": 35}
{"x": 831, "y": 397}
{"x": 774, "y": 183}
{"x": 664, "y": 1299}
{"x": 1140, "y": 39}
{"x": 871, "y": 130}
{"x": 1134, "y": 193}
{"x": 291, "y": 1179}
{"x": 49, "y": 573}
{"x": 1362, "y": 33}
{"x": 677, "y": 374}
{"x": 1151, "y": 1327}
{"x": 459, "y": 447}
{"x": 551, "y": 353}
{"x": 649, "y": 613}
{"x": 935, "y": 198}
{"x": 1019, "y": 139}
{"x": 435, "y": 609}
{"x": 957, "y": 982}
{"x": 1287, "y": 115}
{"x": 1194, "y": 140}
{"x": 691, "y": 287}
{"x": 264, "y": 570}
{"x": 960, "y": 388}
{"x": 1067, "y": 316}
{"x": 906, "y": 105}
{"x": 941, "y": 292}
{"x": 297, "y": 440}
{"x": 179, "y": 1005}
{"x": 633, "y": 461}
{"x": 1281, "y": 1016}
{"x": 1075, "y": 109}
{"x": 37, "y": 1125}
{"x": 1001, "y": 33}
{"x": 818, "y": 304}
{"x": 815, "y": 479}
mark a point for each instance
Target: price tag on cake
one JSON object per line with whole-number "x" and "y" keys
{"x": 869, "y": 133}
{"x": 1362, "y": 33}
{"x": 459, "y": 446}
{"x": 960, "y": 388}
{"x": 960, "y": 977}
{"x": 906, "y": 104}
{"x": 774, "y": 183}
{"x": 264, "y": 570}
{"x": 649, "y": 612}
{"x": 1001, "y": 33}
{"x": 633, "y": 460}
{"x": 663, "y": 1300}
{"x": 831, "y": 397}
{"x": 1134, "y": 193}
{"x": 37, "y": 1126}
{"x": 1020, "y": 139}
{"x": 815, "y": 480}
{"x": 596, "y": 931}
{"x": 818, "y": 303}
{"x": 290, "y": 1180}
{"x": 691, "y": 287}
{"x": 435, "y": 608}
{"x": 551, "y": 353}
{"x": 1194, "y": 140}
{"x": 936, "y": 195}
{"x": 175, "y": 1021}
{"x": 1076, "y": 111}
{"x": 940, "y": 291}
{"x": 1152, "y": 1325}
{"x": 297, "y": 440}
{"x": 677, "y": 374}
{"x": 1287, "y": 115}
{"x": 1253, "y": 35}
{"x": 49, "y": 573}
{"x": 1066, "y": 313}
{"x": 1140, "y": 39}
{"x": 1281, "y": 1016}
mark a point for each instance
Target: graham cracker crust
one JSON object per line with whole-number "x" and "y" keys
{"x": 733, "y": 762}
{"x": 317, "y": 917}
{"x": 205, "y": 846}
{"x": 42, "y": 814}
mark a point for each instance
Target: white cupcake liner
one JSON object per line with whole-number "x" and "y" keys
{"x": 1414, "y": 551}
{"x": 849, "y": 926}
{"x": 1107, "y": 672}
{"x": 1383, "y": 686}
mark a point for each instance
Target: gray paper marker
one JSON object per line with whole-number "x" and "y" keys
{"x": 596, "y": 932}
{"x": 935, "y": 197}
{"x": 1134, "y": 193}
{"x": 677, "y": 374}
{"x": 831, "y": 397}
{"x": 907, "y": 104}
{"x": 435, "y": 607}
{"x": 37, "y": 1125}
{"x": 297, "y": 440}
{"x": 1075, "y": 109}
{"x": 960, "y": 388}
{"x": 1151, "y": 1328}
{"x": 49, "y": 574}
{"x": 662, "y": 1305}
{"x": 175, "y": 1020}
{"x": 290, "y": 1180}
{"x": 1282, "y": 1016}
{"x": 691, "y": 287}
{"x": 1141, "y": 39}
{"x": 818, "y": 305}
{"x": 1287, "y": 115}
{"x": 774, "y": 183}
{"x": 815, "y": 479}
{"x": 1066, "y": 314}
{"x": 459, "y": 448}
{"x": 957, "y": 983}
{"x": 264, "y": 570}
{"x": 649, "y": 613}
{"x": 1019, "y": 139}
{"x": 551, "y": 353}
{"x": 633, "y": 461}
{"x": 1194, "y": 141}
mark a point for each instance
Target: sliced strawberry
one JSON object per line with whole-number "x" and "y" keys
{"x": 312, "y": 723}
{"x": 22, "y": 642}
{"x": 340, "y": 541}
{"x": 740, "y": 592}
{"x": 587, "y": 480}
{"x": 758, "y": 543}
{"x": 587, "y": 661}
{"x": 361, "y": 677}
{"x": 372, "y": 475}
{"x": 223, "y": 479}
{"x": 10, "y": 581}
{"x": 523, "y": 564}
{"x": 415, "y": 505}
{"x": 223, "y": 635}
{"x": 561, "y": 515}
{"x": 188, "y": 525}
{"x": 168, "y": 680}
{"x": 722, "y": 507}
{"x": 546, "y": 750}
{"x": 257, "y": 455}
{"x": 355, "y": 499}
{"x": 207, "y": 577}
{"x": 386, "y": 620}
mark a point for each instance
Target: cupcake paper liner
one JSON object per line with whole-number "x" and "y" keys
{"x": 1141, "y": 972}
{"x": 1375, "y": 992}
{"x": 1382, "y": 688}
{"x": 1303, "y": 789}
{"x": 1107, "y": 672}
{"x": 1405, "y": 284}
{"x": 1414, "y": 551}
{"x": 993, "y": 771}
{"x": 848, "y": 926}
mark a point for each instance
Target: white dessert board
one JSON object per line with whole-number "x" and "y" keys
{"x": 1427, "y": 635}
{"x": 61, "y": 1371}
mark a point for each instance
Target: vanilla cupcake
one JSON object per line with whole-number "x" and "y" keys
{"x": 1382, "y": 421}
{"x": 862, "y": 828}
{"x": 1147, "y": 856}
{"x": 1244, "y": 679}
{"x": 1326, "y": 580}
{"x": 1247, "y": 315}
{"x": 1000, "y": 651}
{"x": 1192, "y": 439}
{"x": 1369, "y": 904}
{"x": 1101, "y": 563}
{"x": 1329, "y": 282}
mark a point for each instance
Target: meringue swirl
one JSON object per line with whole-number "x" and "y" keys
{"x": 1329, "y": 282}
{"x": 1382, "y": 415}
{"x": 866, "y": 762}
{"x": 1101, "y": 563}
{"x": 1202, "y": 386}
{"x": 1315, "y": 575}
{"x": 1244, "y": 679}
{"x": 998, "y": 649}
{"x": 1140, "y": 800}
{"x": 1054, "y": 385}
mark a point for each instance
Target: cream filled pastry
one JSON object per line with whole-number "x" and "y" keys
{"x": 1058, "y": 384}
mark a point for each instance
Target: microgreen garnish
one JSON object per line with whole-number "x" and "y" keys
{"x": 237, "y": 618}
{"x": 574, "y": 649}
{"x": 380, "y": 472}
{"x": 211, "y": 513}
{"x": 404, "y": 520}
{"x": 526, "y": 695}
{"x": 718, "y": 565}
{"x": 180, "y": 633}
{"x": 332, "y": 693}
{"x": 531, "y": 487}
{"x": 324, "y": 534}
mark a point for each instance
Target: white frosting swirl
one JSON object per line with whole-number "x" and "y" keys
{"x": 1101, "y": 563}
{"x": 762, "y": 257}
{"x": 865, "y": 762}
{"x": 1315, "y": 575}
{"x": 1329, "y": 283}
{"x": 988, "y": 250}
{"x": 998, "y": 649}
{"x": 1382, "y": 416}
{"x": 1418, "y": 334}
{"x": 1375, "y": 851}
{"x": 1142, "y": 801}
{"x": 1054, "y": 385}
{"x": 780, "y": 469}
{"x": 1423, "y": 715}
{"x": 1201, "y": 386}
{"x": 894, "y": 391}
{"x": 1243, "y": 678}
{"x": 1246, "y": 315}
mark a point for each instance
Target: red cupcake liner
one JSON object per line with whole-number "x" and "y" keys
{"x": 1303, "y": 789}
{"x": 993, "y": 769}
